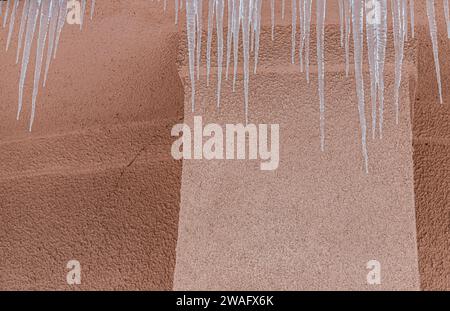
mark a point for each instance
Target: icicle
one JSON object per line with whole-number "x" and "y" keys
{"x": 301, "y": 13}
{"x": 236, "y": 27}
{"x": 307, "y": 18}
{"x": 433, "y": 31}
{"x": 258, "y": 31}
{"x": 320, "y": 30}
{"x": 23, "y": 23}
{"x": 211, "y": 9}
{"x": 347, "y": 17}
{"x": 61, "y": 21}
{"x": 5, "y": 17}
{"x": 231, "y": 4}
{"x": 31, "y": 28}
{"x": 272, "y": 16}
{"x": 405, "y": 18}
{"x": 380, "y": 60}
{"x": 358, "y": 20}
{"x": 83, "y": 12}
{"x": 176, "y": 11}
{"x": 341, "y": 20}
{"x": 447, "y": 16}
{"x": 411, "y": 12}
{"x": 199, "y": 19}
{"x": 253, "y": 25}
{"x": 399, "y": 48}
{"x": 51, "y": 37}
{"x": 219, "y": 25}
{"x": 12, "y": 22}
{"x": 245, "y": 11}
{"x": 93, "y": 7}
{"x": 191, "y": 31}
{"x": 372, "y": 50}
{"x": 294, "y": 29}
{"x": 43, "y": 28}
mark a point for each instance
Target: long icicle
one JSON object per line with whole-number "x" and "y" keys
{"x": 31, "y": 28}
{"x": 358, "y": 21}
{"x": 191, "y": 31}
{"x": 272, "y": 17}
{"x": 51, "y": 37}
{"x": 219, "y": 25}
{"x": 301, "y": 13}
{"x": 398, "y": 24}
{"x": 61, "y": 21}
{"x": 23, "y": 24}
{"x": 231, "y": 4}
{"x": 372, "y": 51}
{"x": 211, "y": 10}
{"x": 236, "y": 27}
{"x": 199, "y": 21}
{"x": 320, "y": 31}
{"x": 294, "y": 29}
{"x": 381, "y": 55}
{"x": 5, "y": 17}
{"x": 46, "y": 9}
{"x": 307, "y": 16}
{"x": 341, "y": 20}
{"x": 12, "y": 22}
{"x": 348, "y": 23}
{"x": 258, "y": 32}
{"x": 245, "y": 11}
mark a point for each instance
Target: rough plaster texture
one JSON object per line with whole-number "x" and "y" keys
{"x": 432, "y": 162}
{"x": 94, "y": 181}
{"x": 314, "y": 223}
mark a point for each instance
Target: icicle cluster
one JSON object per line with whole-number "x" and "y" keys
{"x": 244, "y": 19}
{"x": 47, "y": 17}
{"x": 243, "y": 25}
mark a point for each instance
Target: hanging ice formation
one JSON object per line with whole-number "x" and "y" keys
{"x": 47, "y": 17}
{"x": 243, "y": 29}
{"x": 245, "y": 16}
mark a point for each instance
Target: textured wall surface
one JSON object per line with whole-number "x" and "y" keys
{"x": 431, "y": 130}
{"x": 94, "y": 181}
{"x": 316, "y": 221}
